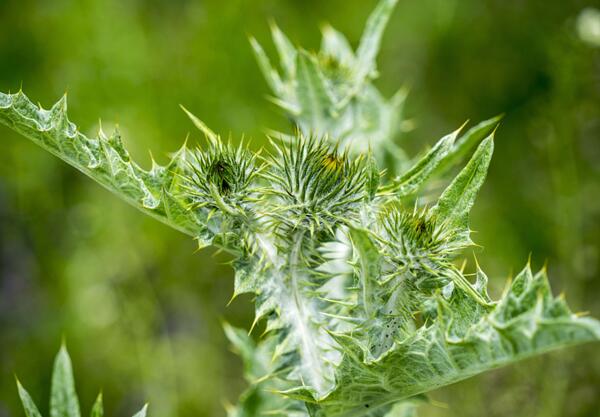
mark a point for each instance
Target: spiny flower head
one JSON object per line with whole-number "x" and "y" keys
{"x": 412, "y": 235}
{"x": 315, "y": 185}
{"x": 221, "y": 172}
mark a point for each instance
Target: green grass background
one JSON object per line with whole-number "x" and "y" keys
{"x": 141, "y": 310}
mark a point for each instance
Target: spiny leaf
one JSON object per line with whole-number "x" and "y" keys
{"x": 29, "y": 406}
{"x": 313, "y": 97}
{"x": 241, "y": 342}
{"x": 411, "y": 180}
{"x": 526, "y": 321}
{"x": 369, "y": 260}
{"x": 104, "y": 160}
{"x": 336, "y": 45}
{"x": 268, "y": 71}
{"x": 142, "y": 412}
{"x": 63, "y": 398}
{"x": 287, "y": 52}
{"x": 371, "y": 39}
{"x": 467, "y": 142}
{"x": 97, "y": 408}
{"x": 210, "y": 135}
{"x": 456, "y": 201}
{"x": 261, "y": 398}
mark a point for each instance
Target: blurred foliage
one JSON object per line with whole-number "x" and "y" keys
{"x": 141, "y": 310}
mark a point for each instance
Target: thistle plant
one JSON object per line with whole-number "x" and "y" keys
{"x": 63, "y": 397}
{"x": 359, "y": 286}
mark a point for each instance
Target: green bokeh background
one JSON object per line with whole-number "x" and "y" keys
{"x": 141, "y": 309}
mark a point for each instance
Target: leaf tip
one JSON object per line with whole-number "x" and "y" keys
{"x": 210, "y": 135}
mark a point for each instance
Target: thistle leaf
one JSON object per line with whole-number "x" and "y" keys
{"x": 63, "y": 398}
{"x": 369, "y": 260}
{"x": 210, "y": 135}
{"x": 142, "y": 412}
{"x": 261, "y": 397}
{"x": 462, "y": 341}
{"x": 456, "y": 201}
{"x": 29, "y": 406}
{"x": 422, "y": 170}
{"x": 467, "y": 142}
{"x": 97, "y": 408}
{"x": 335, "y": 44}
{"x": 155, "y": 192}
{"x": 314, "y": 99}
{"x": 286, "y": 50}
{"x": 268, "y": 71}
{"x": 371, "y": 39}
